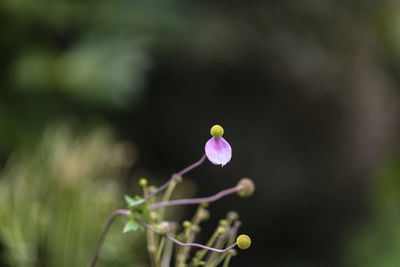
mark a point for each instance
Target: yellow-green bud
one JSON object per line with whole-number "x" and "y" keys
{"x": 143, "y": 182}
{"x": 232, "y": 215}
{"x": 223, "y": 222}
{"x": 243, "y": 241}
{"x": 163, "y": 227}
{"x": 217, "y": 131}
{"x": 221, "y": 230}
{"x": 195, "y": 228}
{"x": 248, "y": 187}
{"x": 153, "y": 215}
{"x": 186, "y": 224}
{"x": 204, "y": 214}
{"x": 152, "y": 188}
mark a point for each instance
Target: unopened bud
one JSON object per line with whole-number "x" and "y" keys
{"x": 243, "y": 241}
{"x": 143, "y": 182}
{"x": 153, "y": 215}
{"x": 217, "y": 131}
{"x": 232, "y": 215}
{"x": 164, "y": 227}
{"x": 223, "y": 222}
{"x": 204, "y": 214}
{"x": 152, "y": 188}
{"x": 221, "y": 230}
{"x": 186, "y": 224}
{"x": 195, "y": 228}
{"x": 247, "y": 189}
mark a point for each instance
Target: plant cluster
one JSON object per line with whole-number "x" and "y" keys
{"x": 164, "y": 237}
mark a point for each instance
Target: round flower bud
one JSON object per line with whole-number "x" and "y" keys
{"x": 243, "y": 241}
{"x": 143, "y": 182}
{"x": 223, "y": 222}
{"x": 221, "y": 230}
{"x": 186, "y": 224}
{"x": 248, "y": 187}
{"x": 204, "y": 215}
{"x": 217, "y": 131}
{"x": 152, "y": 188}
{"x": 153, "y": 215}
{"x": 232, "y": 215}
{"x": 163, "y": 227}
{"x": 195, "y": 228}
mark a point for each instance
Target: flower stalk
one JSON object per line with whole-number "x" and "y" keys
{"x": 191, "y": 201}
{"x": 177, "y": 175}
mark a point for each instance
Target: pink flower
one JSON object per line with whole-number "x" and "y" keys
{"x": 218, "y": 150}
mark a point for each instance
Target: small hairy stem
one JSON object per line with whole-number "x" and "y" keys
{"x": 197, "y": 218}
{"x": 151, "y": 238}
{"x": 186, "y": 244}
{"x": 191, "y": 201}
{"x": 160, "y": 250}
{"x": 166, "y": 259}
{"x": 217, "y": 260}
{"x": 103, "y": 234}
{"x": 177, "y": 175}
{"x": 226, "y": 261}
{"x": 184, "y": 251}
{"x": 151, "y": 248}
{"x": 166, "y": 197}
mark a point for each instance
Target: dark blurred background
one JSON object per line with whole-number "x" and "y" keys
{"x": 96, "y": 94}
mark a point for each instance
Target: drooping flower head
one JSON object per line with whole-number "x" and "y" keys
{"x": 218, "y": 150}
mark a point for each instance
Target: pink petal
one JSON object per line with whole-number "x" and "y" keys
{"x": 218, "y": 151}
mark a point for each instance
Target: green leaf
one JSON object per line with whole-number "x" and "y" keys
{"x": 132, "y": 225}
{"x": 133, "y": 202}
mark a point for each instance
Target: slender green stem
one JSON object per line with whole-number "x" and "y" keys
{"x": 151, "y": 248}
{"x": 160, "y": 250}
{"x": 217, "y": 260}
{"x": 201, "y": 253}
{"x": 184, "y": 251}
{"x": 226, "y": 261}
{"x": 218, "y": 244}
{"x": 166, "y": 258}
{"x": 166, "y": 197}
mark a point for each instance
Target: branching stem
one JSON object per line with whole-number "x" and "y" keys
{"x": 186, "y": 244}
{"x": 177, "y": 175}
{"x": 191, "y": 201}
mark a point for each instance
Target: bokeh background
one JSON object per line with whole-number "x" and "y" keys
{"x": 96, "y": 94}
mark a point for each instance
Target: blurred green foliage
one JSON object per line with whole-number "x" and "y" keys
{"x": 376, "y": 242}
{"x": 55, "y": 200}
{"x": 74, "y": 59}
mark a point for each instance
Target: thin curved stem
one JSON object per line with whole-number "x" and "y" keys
{"x": 176, "y": 176}
{"x": 104, "y": 232}
{"x": 186, "y": 244}
{"x": 191, "y": 201}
